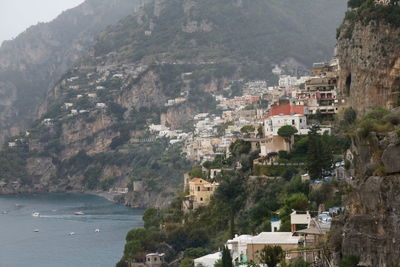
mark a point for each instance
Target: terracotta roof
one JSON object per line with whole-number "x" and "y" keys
{"x": 285, "y": 109}
{"x": 196, "y": 180}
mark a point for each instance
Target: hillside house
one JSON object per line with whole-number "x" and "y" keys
{"x": 68, "y": 105}
{"x": 287, "y": 240}
{"x": 101, "y": 105}
{"x": 274, "y": 123}
{"x": 299, "y": 218}
{"x": 200, "y": 192}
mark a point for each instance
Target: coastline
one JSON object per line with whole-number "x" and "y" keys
{"x": 113, "y": 197}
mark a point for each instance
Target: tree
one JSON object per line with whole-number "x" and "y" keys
{"x": 319, "y": 156}
{"x": 298, "y": 263}
{"x": 240, "y": 147}
{"x": 287, "y": 132}
{"x": 230, "y": 195}
{"x": 247, "y": 129}
{"x": 349, "y": 116}
{"x": 271, "y": 255}
{"x": 350, "y": 261}
{"x": 355, "y": 3}
{"x": 226, "y": 257}
{"x": 194, "y": 253}
{"x": 186, "y": 262}
{"x": 151, "y": 218}
{"x": 260, "y": 131}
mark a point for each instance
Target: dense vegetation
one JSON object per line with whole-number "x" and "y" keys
{"x": 232, "y": 33}
{"x": 365, "y": 11}
{"x": 246, "y": 205}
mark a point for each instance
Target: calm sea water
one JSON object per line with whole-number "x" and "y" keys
{"x": 52, "y": 246}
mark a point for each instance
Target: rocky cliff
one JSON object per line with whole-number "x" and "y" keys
{"x": 369, "y": 58}
{"x": 369, "y": 227}
{"x": 34, "y": 61}
{"x": 368, "y": 49}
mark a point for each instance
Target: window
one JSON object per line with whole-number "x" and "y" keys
{"x": 155, "y": 259}
{"x": 201, "y": 199}
{"x": 292, "y": 122}
{"x": 198, "y": 188}
{"x": 148, "y": 259}
{"x": 301, "y": 120}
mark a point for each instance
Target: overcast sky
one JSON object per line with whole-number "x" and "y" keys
{"x": 18, "y": 15}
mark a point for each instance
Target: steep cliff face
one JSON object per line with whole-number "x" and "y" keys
{"x": 369, "y": 58}
{"x": 368, "y": 50}
{"x": 369, "y": 228}
{"x": 34, "y": 61}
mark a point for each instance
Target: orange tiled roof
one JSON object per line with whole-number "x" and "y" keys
{"x": 285, "y": 109}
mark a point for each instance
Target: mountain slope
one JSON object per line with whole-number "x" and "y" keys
{"x": 258, "y": 30}
{"x": 31, "y": 63}
{"x": 93, "y": 132}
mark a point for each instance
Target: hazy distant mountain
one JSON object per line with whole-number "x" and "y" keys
{"x": 258, "y": 31}
{"x": 31, "y": 63}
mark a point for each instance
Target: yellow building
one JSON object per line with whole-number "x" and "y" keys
{"x": 200, "y": 192}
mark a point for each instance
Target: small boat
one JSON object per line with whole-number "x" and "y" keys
{"x": 97, "y": 230}
{"x": 72, "y": 233}
{"x": 36, "y": 230}
{"x": 79, "y": 213}
{"x": 35, "y": 214}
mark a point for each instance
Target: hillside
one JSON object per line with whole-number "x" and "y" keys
{"x": 101, "y": 108}
{"x": 262, "y": 32}
{"x": 34, "y": 61}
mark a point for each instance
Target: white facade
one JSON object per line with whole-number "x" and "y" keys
{"x": 208, "y": 260}
{"x": 273, "y": 123}
{"x": 300, "y": 218}
{"x": 275, "y": 225}
{"x": 238, "y": 247}
{"x": 101, "y": 105}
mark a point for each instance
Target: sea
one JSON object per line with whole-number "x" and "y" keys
{"x": 58, "y": 238}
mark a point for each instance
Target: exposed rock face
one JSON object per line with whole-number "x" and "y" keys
{"x": 369, "y": 58}
{"x": 391, "y": 159}
{"x": 371, "y": 227}
{"x": 145, "y": 93}
{"x": 177, "y": 117}
{"x": 149, "y": 199}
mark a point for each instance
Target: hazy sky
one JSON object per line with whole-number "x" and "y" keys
{"x": 18, "y": 15}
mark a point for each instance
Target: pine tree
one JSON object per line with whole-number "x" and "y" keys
{"x": 320, "y": 155}
{"x": 226, "y": 257}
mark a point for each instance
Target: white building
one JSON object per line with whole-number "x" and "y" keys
{"x": 12, "y": 144}
{"x": 101, "y": 105}
{"x": 208, "y": 260}
{"x": 238, "y": 247}
{"x": 275, "y": 225}
{"x": 68, "y": 105}
{"x": 273, "y": 123}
